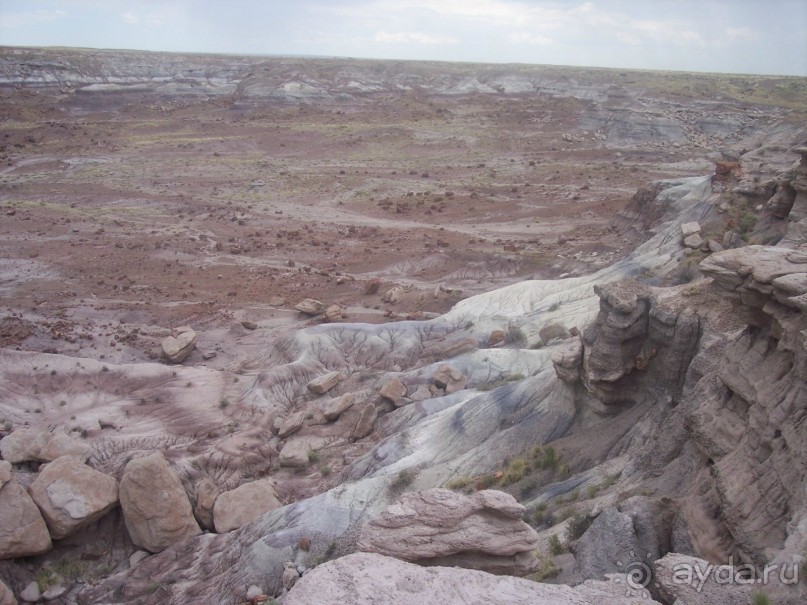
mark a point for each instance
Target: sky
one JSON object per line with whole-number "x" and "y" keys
{"x": 731, "y": 36}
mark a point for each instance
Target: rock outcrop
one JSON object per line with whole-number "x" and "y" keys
{"x": 368, "y": 579}
{"x": 24, "y": 445}
{"x": 244, "y": 504}
{"x": 746, "y": 414}
{"x": 155, "y": 506}
{"x": 71, "y": 495}
{"x": 440, "y": 527}
{"x": 638, "y": 348}
{"x": 23, "y": 532}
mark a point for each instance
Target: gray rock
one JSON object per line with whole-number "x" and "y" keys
{"x": 137, "y": 556}
{"x": 53, "y": 593}
{"x": 608, "y": 546}
{"x": 693, "y": 241}
{"x": 688, "y": 229}
{"x": 31, "y": 593}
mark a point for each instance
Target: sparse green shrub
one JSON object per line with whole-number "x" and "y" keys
{"x": 459, "y": 483}
{"x": 760, "y": 598}
{"x": 515, "y": 471}
{"x": 325, "y": 470}
{"x": 578, "y": 525}
{"x": 555, "y": 546}
{"x": 485, "y": 482}
{"x": 224, "y": 403}
{"x": 539, "y": 514}
{"x": 746, "y": 223}
{"x": 404, "y": 478}
{"x": 546, "y": 571}
{"x": 550, "y": 459}
{"x": 592, "y": 490}
{"x": 313, "y": 456}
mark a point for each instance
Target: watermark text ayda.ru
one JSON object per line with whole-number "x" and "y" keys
{"x": 697, "y": 575}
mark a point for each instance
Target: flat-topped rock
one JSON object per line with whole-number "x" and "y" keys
{"x": 311, "y": 307}
{"x": 177, "y": 347}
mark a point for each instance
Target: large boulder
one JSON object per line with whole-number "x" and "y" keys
{"x": 155, "y": 506}
{"x": 368, "y": 579}
{"x": 177, "y": 347}
{"x": 23, "y": 532}
{"x": 291, "y": 423}
{"x": 71, "y": 495}
{"x": 244, "y": 504}
{"x": 441, "y": 527}
{"x": 30, "y": 445}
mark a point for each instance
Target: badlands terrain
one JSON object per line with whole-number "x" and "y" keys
{"x": 398, "y": 332}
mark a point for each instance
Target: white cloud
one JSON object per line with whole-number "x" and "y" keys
{"x": 11, "y": 20}
{"x": 413, "y": 38}
{"x": 130, "y": 17}
{"x": 741, "y": 33}
{"x": 529, "y": 38}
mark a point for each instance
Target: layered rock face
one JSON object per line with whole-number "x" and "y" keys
{"x": 747, "y": 416}
{"x": 440, "y": 527}
{"x": 638, "y": 348}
